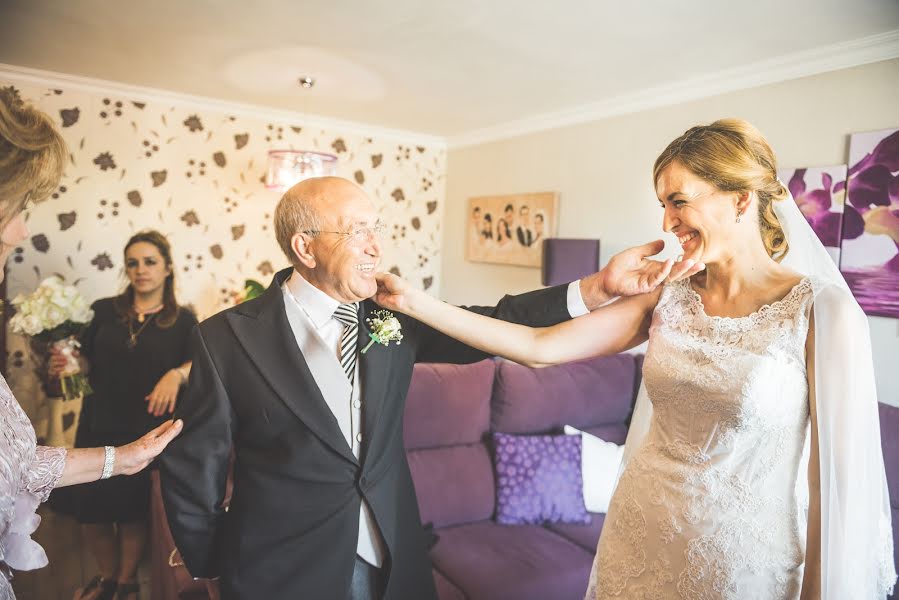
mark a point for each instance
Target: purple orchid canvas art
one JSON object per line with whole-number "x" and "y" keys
{"x": 820, "y": 193}
{"x": 870, "y": 242}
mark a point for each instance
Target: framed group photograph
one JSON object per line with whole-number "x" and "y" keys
{"x": 510, "y": 229}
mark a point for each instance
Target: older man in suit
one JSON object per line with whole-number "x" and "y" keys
{"x": 323, "y": 504}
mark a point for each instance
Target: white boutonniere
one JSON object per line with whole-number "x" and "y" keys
{"x": 385, "y": 328}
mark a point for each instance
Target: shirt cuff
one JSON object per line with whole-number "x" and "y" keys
{"x": 576, "y": 306}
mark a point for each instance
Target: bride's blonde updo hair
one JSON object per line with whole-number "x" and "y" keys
{"x": 32, "y": 154}
{"x": 733, "y": 156}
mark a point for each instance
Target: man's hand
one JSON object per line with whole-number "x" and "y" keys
{"x": 632, "y": 272}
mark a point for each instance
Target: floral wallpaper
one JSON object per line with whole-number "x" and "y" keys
{"x": 195, "y": 174}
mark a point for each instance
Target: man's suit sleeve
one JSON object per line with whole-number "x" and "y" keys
{"x": 194, "y": 467}
{"x": 540, "y": 308}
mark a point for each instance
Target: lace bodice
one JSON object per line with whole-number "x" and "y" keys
{"x": 713, "y": 503}
{"x": 27, "y": 475}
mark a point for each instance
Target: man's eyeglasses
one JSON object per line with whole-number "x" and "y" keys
{"x": 360, "y": 235}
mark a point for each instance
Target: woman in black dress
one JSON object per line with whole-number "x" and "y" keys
{"x": 136, "y": 353}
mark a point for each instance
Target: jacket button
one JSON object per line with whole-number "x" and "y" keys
{"x": 359, "y": 437}
{"x": 363, "y": 481}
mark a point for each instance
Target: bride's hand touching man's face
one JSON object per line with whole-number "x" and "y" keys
{"x": 632, "y": 272}
{"x": 394, "y": 293}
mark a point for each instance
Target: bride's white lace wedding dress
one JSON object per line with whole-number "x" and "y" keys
{"x": 712, "y": 504}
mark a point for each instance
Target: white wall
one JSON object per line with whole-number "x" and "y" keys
{"x": 603, "y": 173}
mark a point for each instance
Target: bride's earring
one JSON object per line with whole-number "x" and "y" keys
{"x": 739, "y": 214}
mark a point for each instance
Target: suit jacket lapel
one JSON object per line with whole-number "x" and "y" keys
{"x": 262, "y": 328}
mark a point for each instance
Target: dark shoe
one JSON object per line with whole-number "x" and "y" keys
{"x": 98, "y": 588}
{"x": 128, "y": 591}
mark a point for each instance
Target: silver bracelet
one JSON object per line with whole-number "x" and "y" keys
{"x": 108, "y": 463}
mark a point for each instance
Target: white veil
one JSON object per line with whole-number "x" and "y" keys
{"x": 856, "y": 532}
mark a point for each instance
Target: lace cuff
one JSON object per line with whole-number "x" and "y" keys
{"x": 45, "y": 471}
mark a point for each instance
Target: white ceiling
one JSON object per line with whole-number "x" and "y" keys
{"x": 457, "y": 69}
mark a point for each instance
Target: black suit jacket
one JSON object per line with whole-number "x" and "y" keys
{"x": 292, "y": 526}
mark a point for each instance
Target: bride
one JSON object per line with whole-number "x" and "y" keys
{"x": 753, "y": 465}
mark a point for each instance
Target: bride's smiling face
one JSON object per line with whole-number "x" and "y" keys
{"x": 701, "y": 216}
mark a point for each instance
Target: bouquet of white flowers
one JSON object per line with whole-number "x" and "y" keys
{"x": 55, "y": 314}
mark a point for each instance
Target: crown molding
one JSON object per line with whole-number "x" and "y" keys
{"x": 26, "y": 75}
{"x": 833, "y": 57}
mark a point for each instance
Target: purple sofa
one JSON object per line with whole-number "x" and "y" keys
{"x": 450, "y": 414}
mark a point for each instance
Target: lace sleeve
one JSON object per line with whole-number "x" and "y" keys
{"x": 45, "y": 471}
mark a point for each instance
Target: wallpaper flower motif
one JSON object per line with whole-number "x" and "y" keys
{"x": 870, "y": 252}
{"x": 819, "y": 192}
{"x": 195, "y": 175}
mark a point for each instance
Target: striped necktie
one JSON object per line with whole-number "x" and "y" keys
{"x": 348, "y": 314}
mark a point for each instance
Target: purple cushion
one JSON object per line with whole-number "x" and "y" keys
{"x": 448, "y": 404}
{"x": 538, "y": 479}
{"x": 583, "y": 394}
{"x": 585, "y": 536}
{"x": 889, "y": 442}
{"x": 498, "y": 562}
{"x": 453, "y": 484}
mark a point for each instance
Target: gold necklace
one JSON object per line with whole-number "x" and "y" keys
{"x": 141, "y": 313}
{"x": 132, "y": 335}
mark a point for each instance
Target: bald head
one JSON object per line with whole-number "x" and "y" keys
{"x": 329, "y": 229}
{"x": 306, "y": 205}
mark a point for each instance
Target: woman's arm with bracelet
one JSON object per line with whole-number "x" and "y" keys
{"x": 84, "y": 465}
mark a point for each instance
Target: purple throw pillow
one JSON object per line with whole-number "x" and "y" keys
{"x": 539, "y": 480}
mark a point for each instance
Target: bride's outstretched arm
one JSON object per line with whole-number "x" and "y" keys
{"x": 608, "y": 330}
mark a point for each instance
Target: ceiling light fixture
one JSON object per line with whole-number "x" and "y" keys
{"x": 286, "y": 168}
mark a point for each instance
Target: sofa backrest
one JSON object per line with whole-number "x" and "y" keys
{"x": 595, "y": 395}
{"x": 446, "y": 423}
{"x": 451, "y": 410}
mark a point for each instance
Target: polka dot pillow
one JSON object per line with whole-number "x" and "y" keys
{"x": 538, "y": 479}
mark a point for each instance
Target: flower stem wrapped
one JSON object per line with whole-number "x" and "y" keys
{"x": 385, "y": 328}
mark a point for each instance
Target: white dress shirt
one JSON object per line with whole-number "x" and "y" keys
{"x": 318, "y": 309}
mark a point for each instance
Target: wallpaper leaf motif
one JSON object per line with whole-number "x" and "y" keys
{"x": 102, "y": 261}
{"x": 193, "y": 123}
{"x": 40, "y": 242}
{"x": 105, "y": 161}
{"x": 220, "y": 215}
{"x": 66, "y": 220}
{"x": 69, "y": 116}
{"x": 190, "y": 218}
